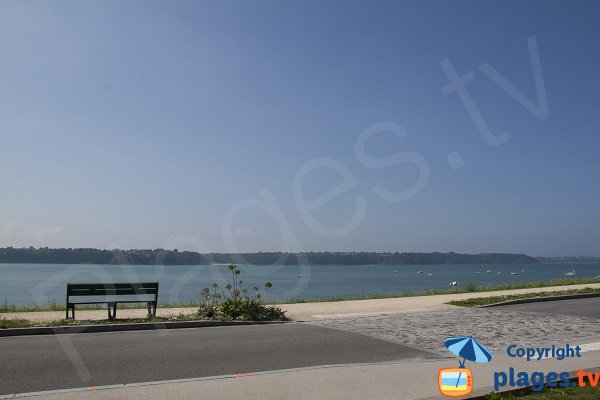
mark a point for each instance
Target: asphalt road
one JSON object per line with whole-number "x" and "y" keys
{"x": 37, "y": 363}
{"x": 589, "y": 307}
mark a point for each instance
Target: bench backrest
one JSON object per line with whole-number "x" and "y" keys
{"x": 112, "y": 289}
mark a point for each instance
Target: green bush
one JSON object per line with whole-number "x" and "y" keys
{"x": 234, "y": 303}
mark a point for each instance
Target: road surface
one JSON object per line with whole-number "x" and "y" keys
{"x": 38, "y": 363}
{"x": 589, "y": 307}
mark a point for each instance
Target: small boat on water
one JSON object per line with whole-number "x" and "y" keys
{"x": 571, "y": 273}
{"x": 395, "y": 271}
{"x": 429, "y": 274}
{"x": 454, "y": 283}
{"x": 419, "y": 272}
{"x": 497, "y": 273}
{"x": 489, "y": 271}
{"x": 298, "y": 276}
{"x": 513, "y": 273}
{"x": 477, "y": 272}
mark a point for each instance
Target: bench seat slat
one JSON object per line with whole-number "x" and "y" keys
{"x": 111, "y": 292}
{"x": 117, "y": 285}
{"x": 99, "y": 289}
{"x": 108, "y": 301}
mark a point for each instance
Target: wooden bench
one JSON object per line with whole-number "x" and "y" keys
{"x": 113, "y": 293}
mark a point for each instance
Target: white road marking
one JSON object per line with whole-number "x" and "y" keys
{"x": 589, "y": 347}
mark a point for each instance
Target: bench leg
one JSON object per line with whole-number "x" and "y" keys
{"x": 73, "y": 311}
{"x": 112, "y": 315}
{"x": 151, "y": 309}
{"x": 67, "y": 311}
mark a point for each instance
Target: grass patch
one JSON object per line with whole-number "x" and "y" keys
{"x": 568, "y": 393}
{"x": 482, "y": 301}
{"x": 345, "y": 298}
{"x": 25, "y": 323}
{"x": 469, "y": 287}
{"x": 52, "y": 306}
{"x": 14, "y": 323}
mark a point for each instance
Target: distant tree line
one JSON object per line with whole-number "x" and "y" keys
{"x": 44, "y": 255}
{"x": 569, "y": 259}
{"x": 174, "y": 257}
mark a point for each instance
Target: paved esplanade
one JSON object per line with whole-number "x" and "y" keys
{"x": 37, "y": 363}
{"x": 496, "y": 327}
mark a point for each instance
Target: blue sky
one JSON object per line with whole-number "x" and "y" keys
{"x": 188, "y": 125}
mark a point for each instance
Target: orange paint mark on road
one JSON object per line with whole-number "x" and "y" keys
{"x": 242, "y": 375}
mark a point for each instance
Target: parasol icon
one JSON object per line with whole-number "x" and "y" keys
{"x": 468, "y": 348}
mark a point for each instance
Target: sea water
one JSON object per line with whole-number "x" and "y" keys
{"x": 22, "y": 284}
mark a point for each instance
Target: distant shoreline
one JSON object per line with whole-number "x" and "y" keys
{"x": 268, "y": 265}
{"x": 45, "y": 255}
{"x": 31, "y": 255}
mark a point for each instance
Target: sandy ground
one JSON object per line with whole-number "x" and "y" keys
{"x": 313, "y": 311}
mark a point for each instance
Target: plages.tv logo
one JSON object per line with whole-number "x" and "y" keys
{"x": 458, "y": 382}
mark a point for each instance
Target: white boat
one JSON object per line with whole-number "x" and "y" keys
{"x": 429, "y": 274}
{"x": 513, "y": 273}
{"x": 489, "y": 271}
{"x": 454, "y": 283}
{"x": 395, "y": 271}
{"x": 571, "y": 273}
{"x": 497, "y": 273}
{"x": 419, "y": 272}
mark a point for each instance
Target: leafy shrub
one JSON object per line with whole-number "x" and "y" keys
{"x": 234, "y": 303}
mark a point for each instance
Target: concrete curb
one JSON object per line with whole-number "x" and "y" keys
{"x": 542, "y": 299}
{"x": 144, "y": 326}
